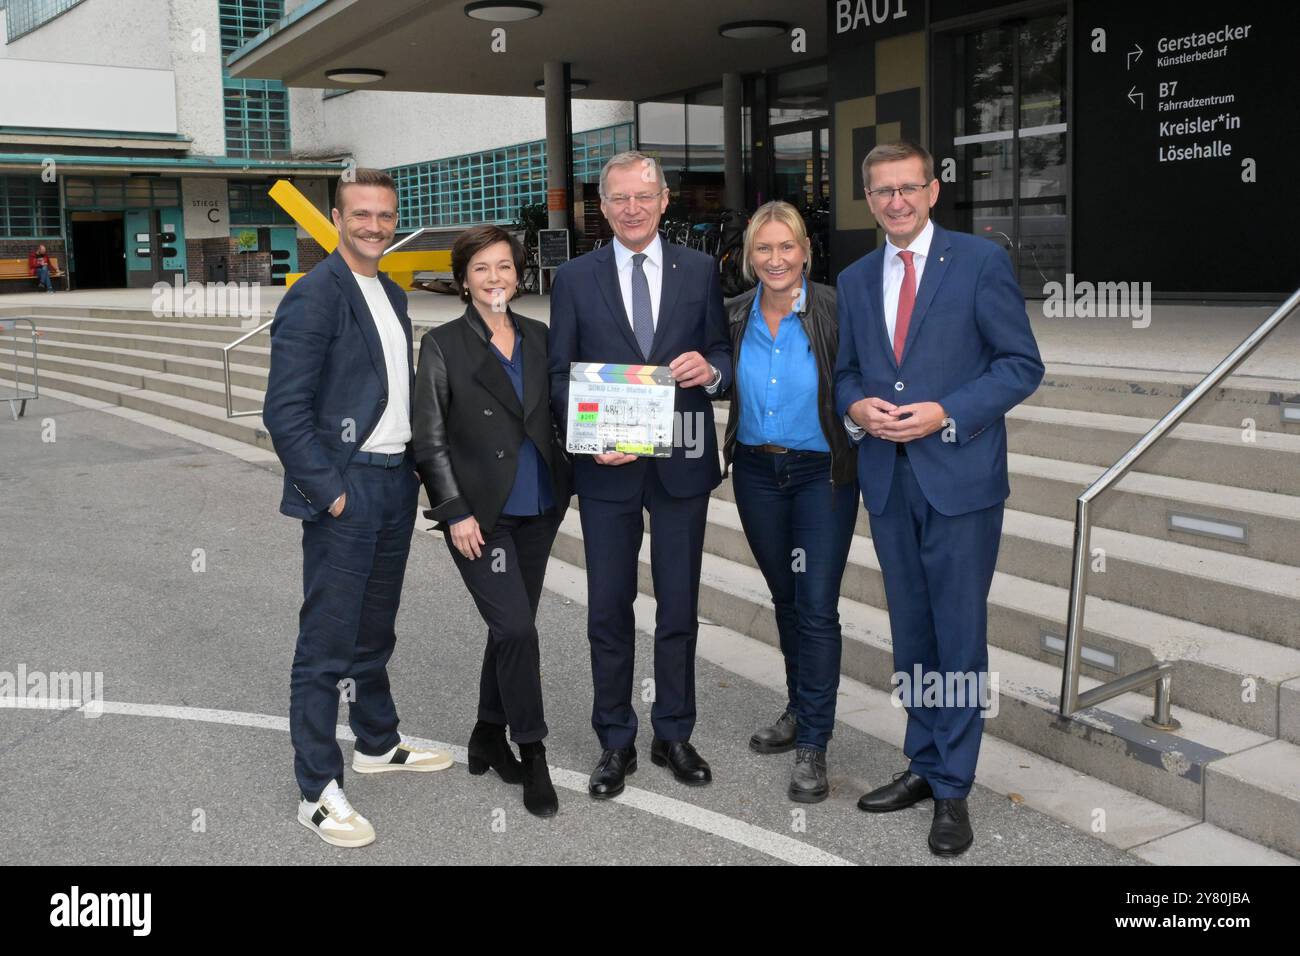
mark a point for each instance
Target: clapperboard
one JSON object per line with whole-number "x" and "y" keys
{"x": 624, "y": 408}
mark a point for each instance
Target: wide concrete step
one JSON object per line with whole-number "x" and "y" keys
{"x": 196, "y": 330}
{"x": 1234, "y": 520}
{"x": 230, "y": 318}
{"x": 1237, "y": 521}
{"x": 1232, "y": 592}
{"x": 162, "y": 338}
{"x": 250, "y": 353}
{"x": 1144, "y": 393}
{"x": 196, "y": 414}
{"x": 1259, "y": 459}
{"x": 1212, "y": 665}
{"x": 204, "y": 391}
{"x": 212, "y": 370}
{"x": 1109, "y": 742}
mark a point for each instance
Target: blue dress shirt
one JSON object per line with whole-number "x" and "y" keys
{"x": 531, "y": 493}
{"x": 777, "y": 379}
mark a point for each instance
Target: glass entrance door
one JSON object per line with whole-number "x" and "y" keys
{"x": 1001, "y": 116}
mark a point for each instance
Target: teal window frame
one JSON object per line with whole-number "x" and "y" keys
{"x": 256, "y": 112}
{"x": 24, "y": 16}
{"x": 491, "y": 186}
{"x": 29, "y": 208}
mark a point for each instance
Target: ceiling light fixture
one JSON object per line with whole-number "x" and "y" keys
{"x": 503, "y": 11}
{"x": 355, "y": 75}
{"x": 753, "y": 29}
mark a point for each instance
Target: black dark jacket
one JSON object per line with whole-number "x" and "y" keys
{"x": 821, "y": 326}
{"x": 467, "y": 426}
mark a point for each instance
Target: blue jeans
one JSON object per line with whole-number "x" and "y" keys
{"x": 43, "y": 277}
{"x": 352, "y": 568}
{"x": 799, "y": 527}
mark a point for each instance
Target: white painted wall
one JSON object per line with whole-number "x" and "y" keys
{"x": 194, "y": 43}
{"x": 107, "y": 32}
{"x": 77, "y": 96}
{"x": 384, "y": 129}
{"x": 179, "y": 36}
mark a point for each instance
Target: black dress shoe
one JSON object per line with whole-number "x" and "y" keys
{"x": 950, "y": 833}
{"x": 687, "y": 765}
{"x": 539, "y": 794}
{"x": 776, "y": 739}
{"x": 907, "y": 789}
{"x": 488, "y": 748}
{"x": 808, "y": 779}
{"x": 607, "y": 778}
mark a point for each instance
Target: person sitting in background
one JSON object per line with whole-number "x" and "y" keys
{"x": 38, "y": 264}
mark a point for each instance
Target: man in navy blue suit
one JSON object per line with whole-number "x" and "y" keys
{"x": 641, "y": 301}
{"x": 338, "y": 409}
{"x": 935, "y": 348}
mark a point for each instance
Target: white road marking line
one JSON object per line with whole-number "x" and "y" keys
{"x": 776, "y": 845}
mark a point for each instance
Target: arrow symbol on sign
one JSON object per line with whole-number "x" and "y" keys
{"x": 1134, "y": 55}
{"x": 1141, "y": 98}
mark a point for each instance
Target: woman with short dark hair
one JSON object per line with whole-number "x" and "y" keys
{"x": 497, "y": 478}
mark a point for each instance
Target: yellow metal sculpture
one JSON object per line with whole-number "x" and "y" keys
{"x": 400, "y": 266}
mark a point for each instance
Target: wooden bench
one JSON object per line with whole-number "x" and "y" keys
{"x": 16, "y": 269}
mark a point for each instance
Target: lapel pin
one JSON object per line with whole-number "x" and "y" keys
{"x": 941, "y": 258}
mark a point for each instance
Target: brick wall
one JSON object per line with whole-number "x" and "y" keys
{"x": 240, "y": 266}
{"x": 309, "y": 254}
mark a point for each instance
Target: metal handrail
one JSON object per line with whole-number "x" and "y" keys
{"x": 19, "y": 399}
{"x": 1160, "y": 673}
{"x": 225, "y": 361}
{"x": 226, "y": 349}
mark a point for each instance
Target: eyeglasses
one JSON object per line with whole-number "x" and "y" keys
{"x": 642, "y": 199}
{"x": 886, "y": 193}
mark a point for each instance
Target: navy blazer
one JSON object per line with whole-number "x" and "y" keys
{"x": 328, "y": 384}
{"x": 590, "y": 324}
{"x": 969, "y": 347}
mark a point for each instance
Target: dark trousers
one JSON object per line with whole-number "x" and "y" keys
{"x": 937, "y": 571}
{"x": 799, "y": 527}
{"x": 612, "y": 533}
{"x": 506, "y": 584}
{"x": 352, "y": 570}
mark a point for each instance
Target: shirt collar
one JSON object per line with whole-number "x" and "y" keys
{"x": 654, "y": 253}
{"x": 920, "y": 245}
{"x": 756, "y": 307}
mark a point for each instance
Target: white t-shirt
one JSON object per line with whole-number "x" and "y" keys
{"x": 394, "y": 429}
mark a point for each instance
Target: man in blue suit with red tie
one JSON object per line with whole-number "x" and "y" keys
{"x": 935, "y": 348}
{"x": 641, "y": 301}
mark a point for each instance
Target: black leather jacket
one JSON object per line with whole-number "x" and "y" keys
{"x": 467, "y": 424}
{"x": 821, "y": 326}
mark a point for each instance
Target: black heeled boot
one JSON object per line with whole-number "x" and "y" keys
{"x": 539, "y": 795}
{"x": 488, "y": 747}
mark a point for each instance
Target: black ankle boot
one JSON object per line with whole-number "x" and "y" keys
{"x": 539, "y": 796}
{"x": 488, "y": 748}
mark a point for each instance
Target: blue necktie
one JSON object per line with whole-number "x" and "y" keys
{"x": 643, "y": 324}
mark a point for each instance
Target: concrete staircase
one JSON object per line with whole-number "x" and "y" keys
{"x": 1201, "y": 550}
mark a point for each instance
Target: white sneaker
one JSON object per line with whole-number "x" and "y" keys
{"x": 333, "y": 819}
{"x": 402, "y": 757}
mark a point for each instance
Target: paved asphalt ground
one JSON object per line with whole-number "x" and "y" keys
{"x": 97, "y": 535}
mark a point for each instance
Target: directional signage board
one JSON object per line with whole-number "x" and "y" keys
{"x": 1185, "y": 139}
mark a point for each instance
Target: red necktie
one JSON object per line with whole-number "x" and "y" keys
{"x": 906, "y": 299}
